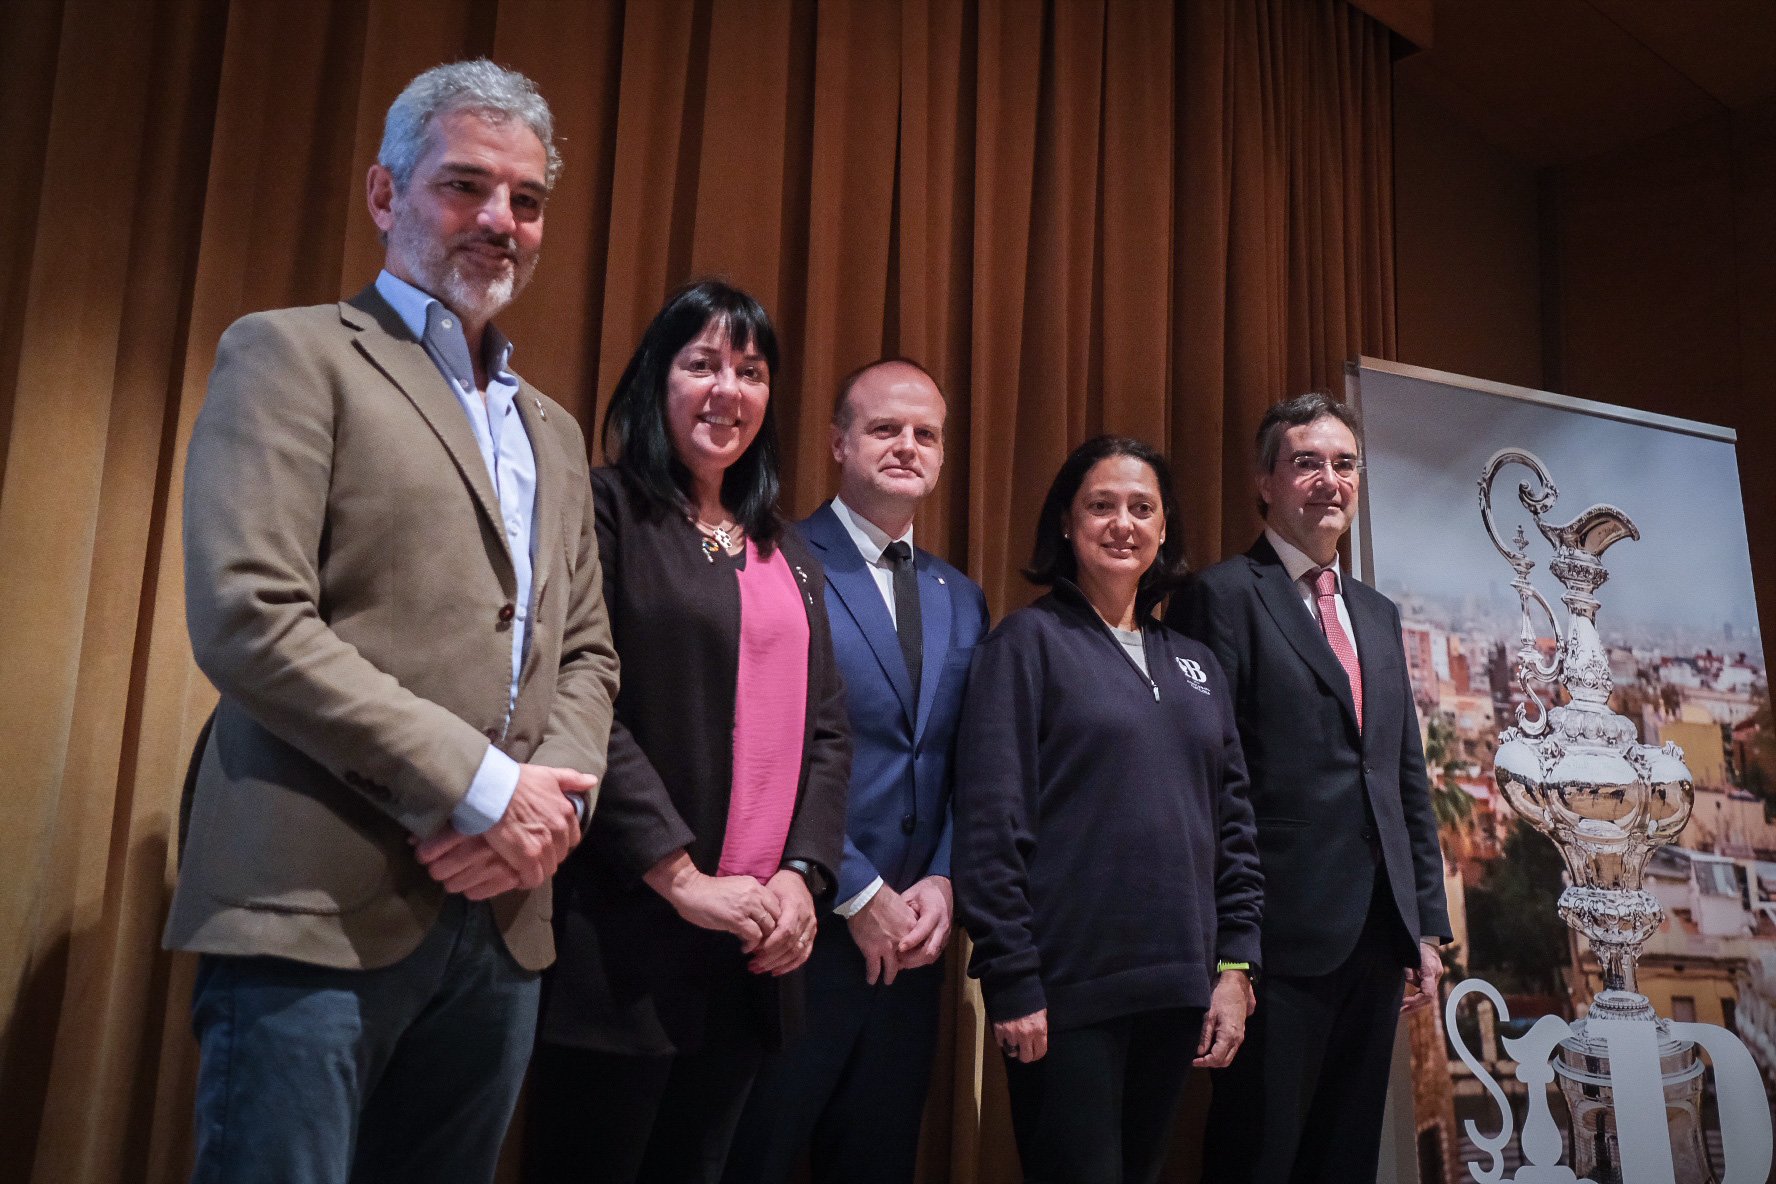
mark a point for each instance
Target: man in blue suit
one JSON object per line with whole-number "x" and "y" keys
{"x": 851, "y": 1090}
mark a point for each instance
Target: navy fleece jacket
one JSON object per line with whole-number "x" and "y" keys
{"x": 1105, "y": 855}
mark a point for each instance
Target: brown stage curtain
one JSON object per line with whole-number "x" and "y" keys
{"x": 1083, "y": 215}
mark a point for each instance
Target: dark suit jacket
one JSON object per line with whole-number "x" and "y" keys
{"x": 633, "y": 977}
{"x": 897, "y": 822}
{"x": 349, "y": 592}
{"x": 1328, "y": 800}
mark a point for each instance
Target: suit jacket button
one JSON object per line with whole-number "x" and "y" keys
{"x": 907, "y": 823}
{"x": 507, "y": 612}
{"x": 491, "y": 734}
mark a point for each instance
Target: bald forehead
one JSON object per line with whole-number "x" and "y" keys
{"x": 892, "y": 375}
{"x": 896, "y": 384}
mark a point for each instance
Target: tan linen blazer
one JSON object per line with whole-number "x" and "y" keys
{"x": 349, "y": 592}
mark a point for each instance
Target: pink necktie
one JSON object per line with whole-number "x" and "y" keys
{"x": 1326, "y": 587}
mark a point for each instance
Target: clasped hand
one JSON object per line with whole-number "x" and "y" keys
{"x": 899, "y": 932}
{"x": 521, "y": 850}
{"x": 774, "y": 920}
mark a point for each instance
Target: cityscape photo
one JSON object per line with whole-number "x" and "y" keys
{"x": 1679, "y": 619}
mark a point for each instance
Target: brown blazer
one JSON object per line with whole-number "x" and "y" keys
{"x": 348, "y": 590}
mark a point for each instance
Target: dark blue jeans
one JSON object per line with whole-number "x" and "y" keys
{"x": 312, "y": 1075}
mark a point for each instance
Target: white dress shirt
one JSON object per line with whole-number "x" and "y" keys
{"x": 1302, "y": 570}
{"x": 871, "y": 541}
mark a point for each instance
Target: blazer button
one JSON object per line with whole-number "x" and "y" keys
{"x": 507, "y": 612}
{"x": 907, "y": 823}
{"x": 491, "y": 734}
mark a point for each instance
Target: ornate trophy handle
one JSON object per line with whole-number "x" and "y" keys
{"x": 1536, "y": 503}
{"x": 1532, "y": 668}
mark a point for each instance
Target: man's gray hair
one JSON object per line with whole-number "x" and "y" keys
{"x": 479, "y": 86}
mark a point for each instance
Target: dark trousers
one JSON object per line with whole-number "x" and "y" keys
{"x": 1098, "y": 1109}
{"x": 312, "y": 1075}
{"x": 1303, "y": 1100}
{"x": 851, "y": 1090}
{"x": 610, "y": 1118}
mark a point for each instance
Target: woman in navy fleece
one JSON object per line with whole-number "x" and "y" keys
{"x": 1105, "y": 860}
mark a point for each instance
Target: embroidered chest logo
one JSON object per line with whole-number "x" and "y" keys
{"x": 1199, "y": 678}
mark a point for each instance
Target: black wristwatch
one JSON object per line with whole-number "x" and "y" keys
{"x": 811, "y": 873}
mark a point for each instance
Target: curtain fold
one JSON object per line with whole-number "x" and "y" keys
{"x": 1081, "y": 215}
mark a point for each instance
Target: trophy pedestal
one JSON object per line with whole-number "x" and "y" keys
{"x": 1582, "y": 1067}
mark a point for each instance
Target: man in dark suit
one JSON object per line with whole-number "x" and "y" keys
{"x": 1353, "y": 875}
{"x": 904, "y": 623}
{"x": 392, "y": 577}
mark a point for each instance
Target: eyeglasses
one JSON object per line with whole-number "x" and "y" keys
{"x": 1308, "y": 465}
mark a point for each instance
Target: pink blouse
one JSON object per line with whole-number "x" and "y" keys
{"x": 770, "y": 716}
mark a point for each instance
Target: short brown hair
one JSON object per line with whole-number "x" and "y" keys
{"x": 1294, "y": 413}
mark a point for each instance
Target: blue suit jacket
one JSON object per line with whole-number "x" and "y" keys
{"x": 897, "y": 821}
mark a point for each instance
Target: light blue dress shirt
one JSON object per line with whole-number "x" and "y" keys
{"x": 511, "y": 463}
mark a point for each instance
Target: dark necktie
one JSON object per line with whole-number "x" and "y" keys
{"x": 1326, "y": 596}
{"x": 906, "y": 609}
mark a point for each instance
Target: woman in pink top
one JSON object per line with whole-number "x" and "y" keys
{"x": 681, "y": 920}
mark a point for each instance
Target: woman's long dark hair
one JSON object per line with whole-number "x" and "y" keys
{"x": 1052, "y": 557}
{"x": 636, "y": 440}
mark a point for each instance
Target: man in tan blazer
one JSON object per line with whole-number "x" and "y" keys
{"x": 392, "y": 578}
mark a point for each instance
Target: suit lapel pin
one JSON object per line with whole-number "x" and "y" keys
{"x": 940, "y": 580}
{"x": 541, "y": 414}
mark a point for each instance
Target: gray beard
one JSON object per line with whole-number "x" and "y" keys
{"x": 481, "y": 303}
{"x": 432, "y": 267}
